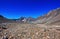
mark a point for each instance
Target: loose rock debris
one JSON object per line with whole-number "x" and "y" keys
{"x": 29, "y": 32}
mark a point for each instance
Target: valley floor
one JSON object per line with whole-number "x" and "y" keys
{"x": 30, "y": 31}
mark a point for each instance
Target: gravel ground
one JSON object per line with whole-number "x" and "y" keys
{"x": 30, "y": 31}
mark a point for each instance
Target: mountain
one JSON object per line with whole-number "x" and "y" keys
{"x": 53, "y": 17}
{"x": 3, "y": 19}
{"x": 30, "y": 19}
{"x": 21, "y": 20}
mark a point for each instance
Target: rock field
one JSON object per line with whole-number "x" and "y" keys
{"x": 30, "y": 31}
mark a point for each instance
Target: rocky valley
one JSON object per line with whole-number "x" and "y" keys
{"x": 44, "y": 27}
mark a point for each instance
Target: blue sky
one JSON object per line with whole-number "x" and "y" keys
{"x": 16, "y": 8}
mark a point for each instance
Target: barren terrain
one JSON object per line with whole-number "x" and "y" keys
{"x": 30, "y": 31}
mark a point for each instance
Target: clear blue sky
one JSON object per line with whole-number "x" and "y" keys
{"x": 17, "y": 8}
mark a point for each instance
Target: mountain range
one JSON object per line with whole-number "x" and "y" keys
{"x": 53, "y": 17}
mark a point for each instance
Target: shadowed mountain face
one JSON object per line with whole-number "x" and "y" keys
{"x": 53, "y": 17}
{"x": 6, "y": 20}
{"x": 3, "y": 19}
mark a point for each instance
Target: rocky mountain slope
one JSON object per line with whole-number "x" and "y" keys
{"x": 53, "y": 17}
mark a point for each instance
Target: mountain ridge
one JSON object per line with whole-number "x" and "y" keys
{"x": 52, "y": 17}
